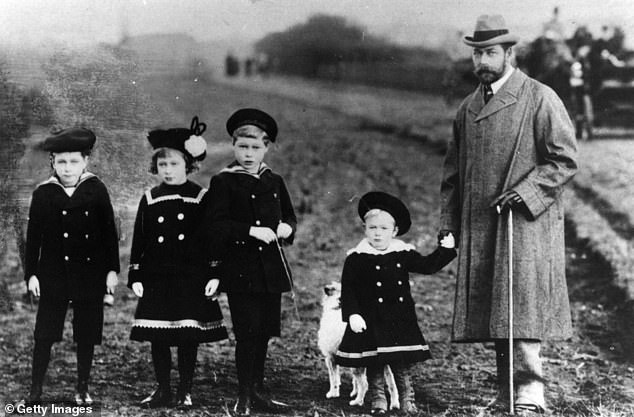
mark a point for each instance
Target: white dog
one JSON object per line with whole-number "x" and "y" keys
{"x": 331, "y": 330}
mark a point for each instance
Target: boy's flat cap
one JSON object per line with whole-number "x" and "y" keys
{"x": 255, "y": 117}
{"x": 389, "y": 203}
{"x": 76, "y": 139}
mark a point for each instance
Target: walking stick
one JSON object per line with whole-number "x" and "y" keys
{"x": 287, "y": 271}
{"x": 509, "y": 237}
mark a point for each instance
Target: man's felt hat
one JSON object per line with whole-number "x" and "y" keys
{"x": 490, "y": 30}
{"x": 389, "y": 203}
{"x": 76, "y": 139}
{"x": 188, "y": 141}
{"x": 253, "y": 117}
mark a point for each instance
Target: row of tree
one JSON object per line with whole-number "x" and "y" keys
{"x": 331, "y": 47}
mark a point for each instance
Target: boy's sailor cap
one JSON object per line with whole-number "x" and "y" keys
{"x": 389, "y": 203}
{"x": 76, "y": 139}
{"x": 255, "y": 117}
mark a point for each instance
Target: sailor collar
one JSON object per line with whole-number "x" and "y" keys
{"x": 396, "y": 245}
{"x": 82, "y": 178}
{"x": 236, "y": 168}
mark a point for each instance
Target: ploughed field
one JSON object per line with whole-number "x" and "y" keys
{"x": 329, "y": 158}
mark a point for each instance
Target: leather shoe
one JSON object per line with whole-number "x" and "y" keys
{"x": 160, "y": 397}
{"x": 267, "y": 405}
{"x": 243, "y": 406}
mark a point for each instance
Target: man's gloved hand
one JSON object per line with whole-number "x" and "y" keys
{"x": 508, "y": 199}
{"x": 445, "y": 233}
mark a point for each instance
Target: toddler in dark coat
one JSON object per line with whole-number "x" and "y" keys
{"x": 72, "y": 255}
{"x": 169, "y": 264}
{"x": 377, "y": 303}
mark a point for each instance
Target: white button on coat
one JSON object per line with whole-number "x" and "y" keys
{"x": 181, "y": 236}
{"x": 160, "y": 239}
{"x": 180, "y": 216}
{"x": 380, "y": 300}
{"x": 65, "y": 234}
{"x": 378, "y": 267}
{"x": 161, "y": 219}
{"x": 378, "y": 284}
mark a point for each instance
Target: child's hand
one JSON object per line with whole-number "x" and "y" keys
{"x": 211, "y": 288}
{"x": 111, "y": 282}
{"x": 448, "y": 241}
{"x": 284, "y": 230}
{"x": 264, "y": 234}
{"x": 137, "y": 288}
{"x": 357, "y": 324}
{"x": 34, "y": 286}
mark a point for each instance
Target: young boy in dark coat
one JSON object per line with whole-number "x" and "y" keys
{"x": 169, "y": 265}
{"x": 72, "y": 255}
{"x": 250, "y": 212}
{"x": 377, "y": 303}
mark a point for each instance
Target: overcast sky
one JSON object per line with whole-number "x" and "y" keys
{"x": 38, "y": 22}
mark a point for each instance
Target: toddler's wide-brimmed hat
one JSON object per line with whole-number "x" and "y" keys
{"x": 76, "y": 139}
{"x": 188, "y": 141}
{"x": 490, "y": 30}
{"x": 386, "y": 202}
{"x": 253, "y": 117}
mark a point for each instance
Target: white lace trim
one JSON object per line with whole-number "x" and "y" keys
{"x": 380, "y": 350}
{"x": 396, "y": 245}
{"x": 196, "y": 200}
{"x": 177, "y": 324}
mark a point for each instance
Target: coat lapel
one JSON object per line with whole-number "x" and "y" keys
{"x": 506, "y": 96}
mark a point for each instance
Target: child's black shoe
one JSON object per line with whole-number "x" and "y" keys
{"x": 160, "y": 397}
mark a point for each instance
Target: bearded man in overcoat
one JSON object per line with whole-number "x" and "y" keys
{"x": 513, "y": 147}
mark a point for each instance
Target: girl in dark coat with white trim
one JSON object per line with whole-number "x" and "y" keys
{"x": 377, "y": 303}
{"x": 169, "y": 264}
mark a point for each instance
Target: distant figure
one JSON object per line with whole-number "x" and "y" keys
{"x": 232, "y": 65}
{"x": 554, "y": 29}
{"x": 513, "y": 147}
{"x": 248, "y": 66}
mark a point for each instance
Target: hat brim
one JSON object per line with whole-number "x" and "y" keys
{"x": 386, "y": 202}
{"x": 506, "y": 38}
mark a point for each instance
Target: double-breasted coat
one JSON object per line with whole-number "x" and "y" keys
{"x": 239, "y": 200}
{"x": 523, "y": 140}
{"x": 169, "y": 256}
{"x": 375, "y": 285}
{"x": 71, "y": 242}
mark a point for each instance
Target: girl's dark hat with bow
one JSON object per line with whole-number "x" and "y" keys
{"x": 389, "y": 203}
{"x": 253, "y": 117}
{"x": 189, "y": 141}
{"x": 76, "y": 139}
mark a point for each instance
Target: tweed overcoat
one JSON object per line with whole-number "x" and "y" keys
{"x": 523, "y": 140}
{"x": 71, "y": 241}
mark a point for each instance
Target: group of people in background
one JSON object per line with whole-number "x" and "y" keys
{"x": 513, "y": 149}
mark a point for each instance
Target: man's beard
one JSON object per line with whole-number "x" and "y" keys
{"x": 488, "y": 75}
